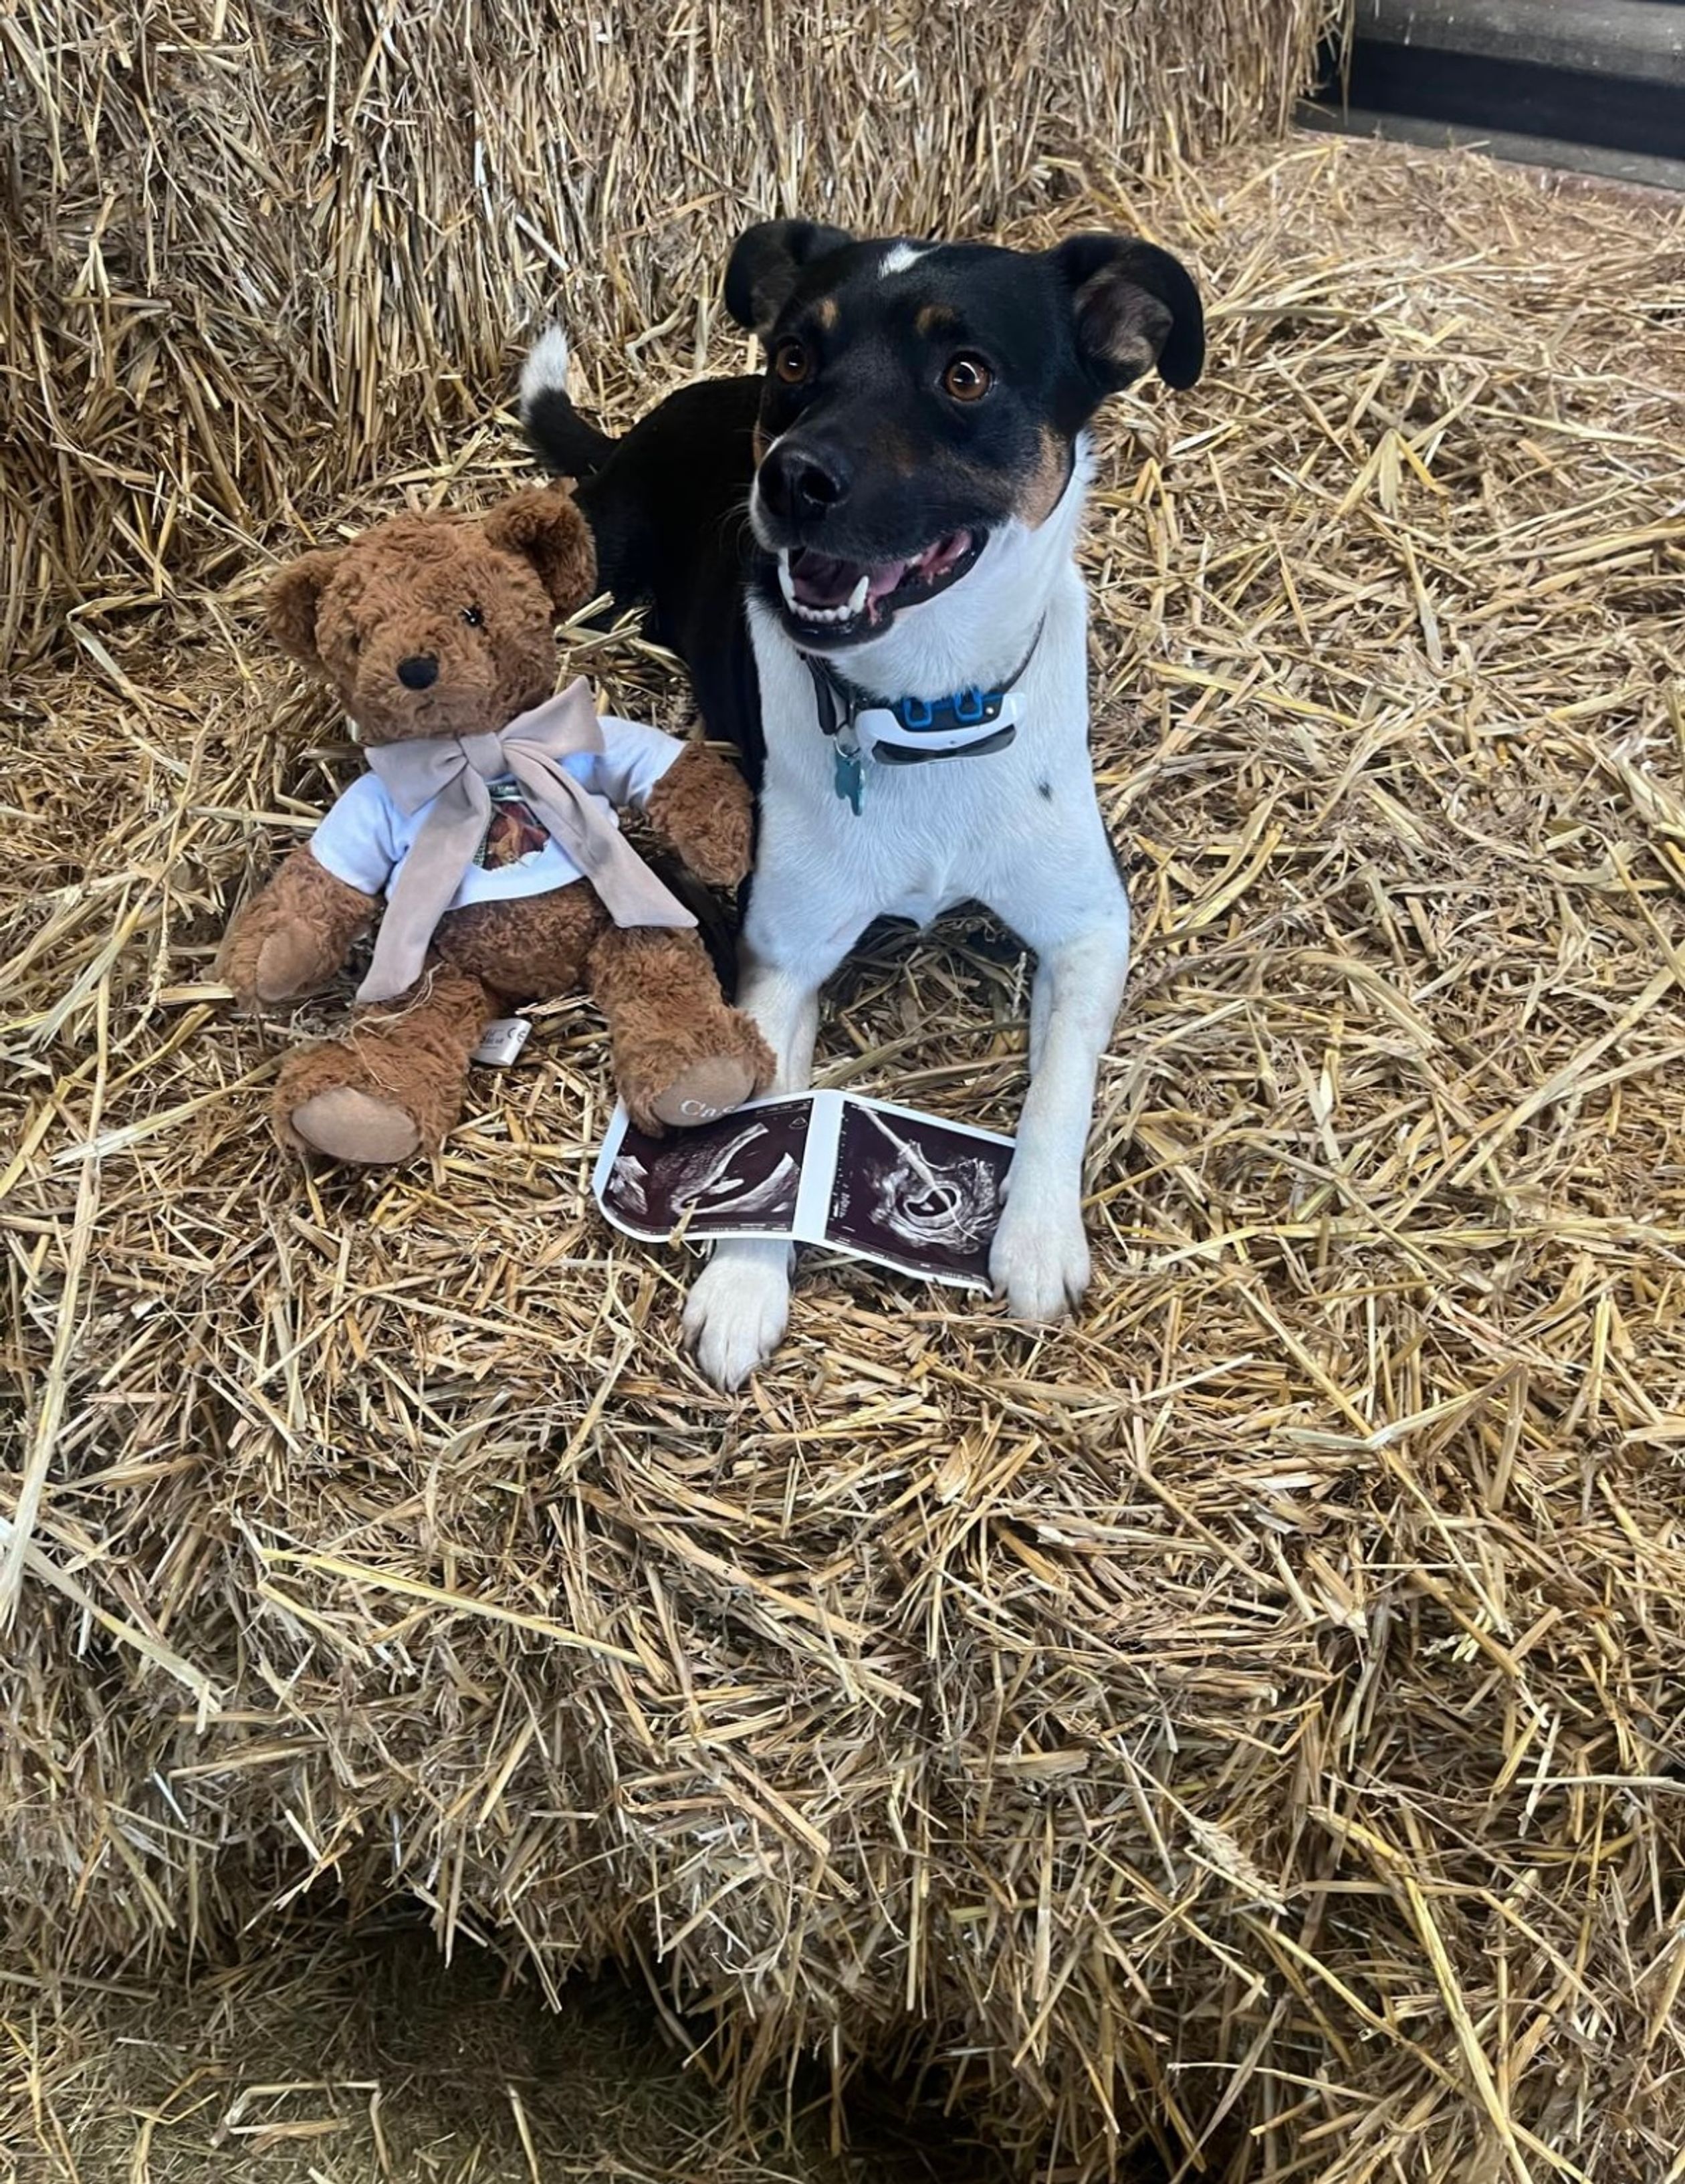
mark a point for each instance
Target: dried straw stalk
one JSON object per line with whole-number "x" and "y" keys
{"x": 1246, "y": 1724}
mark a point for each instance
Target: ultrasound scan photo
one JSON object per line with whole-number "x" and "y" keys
{"x": 739, "y": 1175}
{"x": 916, "y": 1194}
{"x": 877, "y": 1181}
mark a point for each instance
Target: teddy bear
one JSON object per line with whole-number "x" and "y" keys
{"x": 487, "y": 820}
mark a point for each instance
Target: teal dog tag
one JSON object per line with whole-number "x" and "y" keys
{"x": 846, "y": 778}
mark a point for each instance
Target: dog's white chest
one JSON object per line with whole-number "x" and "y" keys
{"x": 990, "y": 826}
{"x": 918, "y": 843}
{"x": 922, "y": 905}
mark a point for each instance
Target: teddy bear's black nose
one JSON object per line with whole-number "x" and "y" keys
{"x": 419, "y": 672}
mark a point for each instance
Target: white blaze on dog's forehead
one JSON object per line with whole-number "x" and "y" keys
{"x": 897, "y": 258}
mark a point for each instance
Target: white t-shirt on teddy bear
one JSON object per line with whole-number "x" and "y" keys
{"x": 366, "y": 838}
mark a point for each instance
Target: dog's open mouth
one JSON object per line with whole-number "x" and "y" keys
{"x": 833, "y": 596}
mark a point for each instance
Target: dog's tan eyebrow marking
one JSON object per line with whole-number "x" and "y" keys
{"x": 827, "y": 312}
{"x": 937, "y": 318}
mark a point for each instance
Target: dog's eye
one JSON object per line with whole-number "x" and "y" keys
{"x": 790, "y": 363}
{"x": 967, "y": 379}
{"x": 473, "y": 617}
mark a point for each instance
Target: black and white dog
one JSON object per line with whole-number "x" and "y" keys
{"x": 865, "y": 559}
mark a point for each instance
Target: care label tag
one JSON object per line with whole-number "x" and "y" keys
{"x": 503, "y": 1041}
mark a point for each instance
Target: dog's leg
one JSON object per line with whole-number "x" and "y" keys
{"x": 1040, "y": 1259}
{"x": 738, "y": 1306}
{"x": 1040, "y": 1009}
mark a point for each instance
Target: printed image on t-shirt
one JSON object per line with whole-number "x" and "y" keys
{"x": 514, "y": 835}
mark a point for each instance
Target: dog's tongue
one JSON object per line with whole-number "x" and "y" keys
{"x": 822, "y": 579}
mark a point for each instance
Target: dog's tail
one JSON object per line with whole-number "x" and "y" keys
{"x": 560, "y": 437}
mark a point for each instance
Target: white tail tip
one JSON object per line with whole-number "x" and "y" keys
{"x": 546, "y": 369}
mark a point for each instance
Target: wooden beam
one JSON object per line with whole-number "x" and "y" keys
{"x": 1640, "y": 40}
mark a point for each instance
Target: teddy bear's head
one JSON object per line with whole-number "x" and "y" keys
{"x": 439, "y": 625}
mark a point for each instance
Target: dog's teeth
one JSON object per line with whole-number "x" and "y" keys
{"x": 848, "y": 610}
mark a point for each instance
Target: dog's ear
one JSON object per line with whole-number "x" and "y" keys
{"x": 1135, "y": 307}
{"x": 290, "y": 604}
{"x": 768, "y": 262}
{"x": 545, "y": 525}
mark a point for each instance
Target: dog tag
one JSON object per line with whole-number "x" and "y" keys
{"x": 846, "y": 779}
{"x": 501, "y": 1041}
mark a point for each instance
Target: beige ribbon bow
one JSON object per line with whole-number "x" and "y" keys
{"x": 451, "y": 772}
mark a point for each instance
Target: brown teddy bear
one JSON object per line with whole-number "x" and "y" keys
{"x": 487, "y": 821}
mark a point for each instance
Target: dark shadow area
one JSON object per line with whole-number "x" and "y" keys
{"x": 340, "y": 2052}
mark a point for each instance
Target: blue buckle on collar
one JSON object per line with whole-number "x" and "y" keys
{"x": 965, "y": 709}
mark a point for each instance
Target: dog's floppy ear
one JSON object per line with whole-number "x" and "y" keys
{"x": 546, "y": 525}
{"x": 768, "y": 262}
{"x": 290, "y": 604}
{"x": 1136, "y": 307}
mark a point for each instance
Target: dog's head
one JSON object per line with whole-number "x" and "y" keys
{"x": 439, "y": 625}
{"x": 921, "y": 397}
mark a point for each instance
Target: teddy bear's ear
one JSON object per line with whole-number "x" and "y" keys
{"x": 291, "y": 600}
{"x": 546, "y": 526}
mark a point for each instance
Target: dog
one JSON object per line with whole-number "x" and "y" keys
{"x": 864, "y": 557}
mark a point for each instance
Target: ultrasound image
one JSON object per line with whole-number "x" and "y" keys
{"x": 916, "y": 1194}
{"x": 742, "y": 1172}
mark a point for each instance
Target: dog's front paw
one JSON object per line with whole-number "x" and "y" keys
{"x": 1040, "y": 1260}
{"x": 737, "y": 1310}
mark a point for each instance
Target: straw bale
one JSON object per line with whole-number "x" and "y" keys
{"x": 263, "y": 249}
{"x": 1249, "y": 1721}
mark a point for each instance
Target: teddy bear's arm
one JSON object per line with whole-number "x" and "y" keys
{"x": 695, "y": 800}
{"x": 702, "y": 806}
{"x": 291, "y": 938}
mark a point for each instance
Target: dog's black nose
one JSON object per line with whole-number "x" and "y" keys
{"x": 797, "y": 481}
{"x": 419, "y": 672}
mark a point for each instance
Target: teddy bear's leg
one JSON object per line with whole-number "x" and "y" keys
{"x": 681, "y": 1056}
{"x": 392, "y": 1086}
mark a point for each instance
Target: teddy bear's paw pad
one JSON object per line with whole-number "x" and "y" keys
{"x": 288, "y": 967}
{"x": 349, "y": 1125}
{"x": 706, "y": 1090}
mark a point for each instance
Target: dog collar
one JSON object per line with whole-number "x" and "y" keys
{"x": 911, "y": 731}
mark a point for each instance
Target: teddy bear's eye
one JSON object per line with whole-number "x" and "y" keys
{"x": 473, "y": 617}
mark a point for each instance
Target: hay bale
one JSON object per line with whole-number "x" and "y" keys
{"x": 1254, "y": 1710}
{"x": 260, "y": 254}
